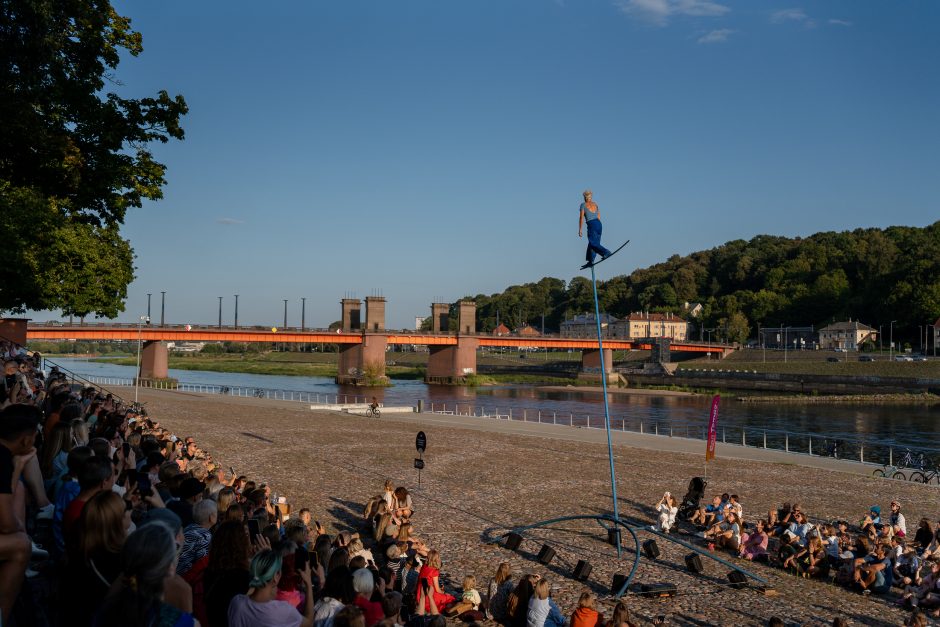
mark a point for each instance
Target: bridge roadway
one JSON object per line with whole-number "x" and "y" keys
{"x": 188, "y": 333}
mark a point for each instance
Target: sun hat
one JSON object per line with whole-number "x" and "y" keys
{"x": 876, "y": 509}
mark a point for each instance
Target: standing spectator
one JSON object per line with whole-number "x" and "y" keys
{"x": 196, "y": 537}
{"x": 18, "y": 426}
{"x": 364, "y": 585}
{"x": 189, "y": 493}
{"x": 96, "y": 475}
{"x": 227, "y": 572}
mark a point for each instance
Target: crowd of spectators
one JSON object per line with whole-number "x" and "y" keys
{"x": 878, "y": 554}
{"x": 140, "y": 527}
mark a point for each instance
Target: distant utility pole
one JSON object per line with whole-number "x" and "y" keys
{"x": 162, "y": 306}
{"x": 220, "y": 313}
{"x": 285, "y": 313}
{"x": 303, "y": 311}
{"x": 148, "y": 304}
{"x": 236, "y": 311}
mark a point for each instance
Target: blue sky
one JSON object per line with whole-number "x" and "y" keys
{"x": 431, "y": 150}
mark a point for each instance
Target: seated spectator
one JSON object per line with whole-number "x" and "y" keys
{"x": 403, "y": 508}
{"x": 227, "y": 572}
{"x": 430, "y": 572}
{"x": 726, "y": 533}
{"x": 149, "y": 554}
{"x": 95, "y": 562}
{"x": 67, "y": 492}
{"x": 708, "y": 515}
{"x": 350, "y": 616}
{"x": 667, "y": 509}
{"x": 620, "y": 616}
{"x": 189, "y": 493}
{"x": 543, "y": 611}
{"x": 337, "y": 593}
{"x": 498, "y": 591}
{"x": 18, "y": 428}
{"x": 875, "y": 575}
{"x": 517, "y": 606}
{"x": 587, "y": 615}
{"x": 924, "y": 536}
{"x": 872, "y": 521}
{"x": 259, "y": 606}
{"x": 364, "y": 584}
{"x": 96, "y": 475}
{"x": 754, "y": 545}
{"x": 391, "y": 608}
{"x": 55, "y": 455}
{"x": 896, "y": 520}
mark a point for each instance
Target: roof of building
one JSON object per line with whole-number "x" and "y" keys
{"x": 527, "y": 330}
{"x": 658, "y": 317}
{"x": 847, "y": 326}
{"x": 589, "y": 319}
{"x": 502, "y": 329}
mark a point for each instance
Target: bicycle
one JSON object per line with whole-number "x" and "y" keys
{"x": 888, "y": 471}
{"x": 373, "y": 412}
{"x": 926, "y": 476}
{"x": 907, "y": 461}
{"x": 259, "y": 393}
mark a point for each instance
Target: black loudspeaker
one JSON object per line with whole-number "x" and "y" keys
{"x": 693, "y": 561}
{"x": 651, "y": 549}
{"x": 582, "y": 571}
{"x": 660, "y": 590}
{"x": 513, "y": 540}
{"x": 546, "y": 555}
{"x": 613, "y": 536}
{"x": 617, "y": 583}
{"x": 737, "y": 579}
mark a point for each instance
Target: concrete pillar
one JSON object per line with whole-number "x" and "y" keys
{"x": 591, "y": 358}
{"x": 14, "y": 330}
{"x": 450, "y": 364}
{"x": 351, "y": 314}
{"x": 467, "y": 317}
{"x": 154, "y": 361}
{"x": 375, "y": 315}
{"x": 440, "y": 317}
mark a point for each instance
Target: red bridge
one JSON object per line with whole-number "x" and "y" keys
{"x": 362, "y": 346}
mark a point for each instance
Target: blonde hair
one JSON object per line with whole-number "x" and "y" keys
{"x": 587, "y": 193}
{"x": 434, "y": 559}
{"x": 503, "y": 573}
{"x": 469, "y": 583}
{"x": 542, "y": 588}
{"x": 587, "y": 600}
{"x": 389, "y": 486}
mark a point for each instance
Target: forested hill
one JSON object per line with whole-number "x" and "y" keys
{"x": 870, "y": 275}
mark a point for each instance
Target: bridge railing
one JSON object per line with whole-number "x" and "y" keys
{"x": 874, "y": 452}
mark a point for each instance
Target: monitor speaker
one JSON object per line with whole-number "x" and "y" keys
{"x": 660, "y": 590}
{"x": 651, "y": 549}
{"x": 613, "y": 536}
{"x": 546, "y": 555}
{"x": 513, "y": 540}
{"x": 582, "y": 570}
{"x": 737, "y": 579}
{"x": 693, "y": 561}
{"x": 617, "y": 583}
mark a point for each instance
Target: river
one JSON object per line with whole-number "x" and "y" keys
{"x": 904, "y": 425}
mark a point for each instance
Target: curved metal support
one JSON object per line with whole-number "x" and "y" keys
{"x": 636, "y": 544}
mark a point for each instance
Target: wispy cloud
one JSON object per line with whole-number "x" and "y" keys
{"x": 229, "y": 221}
{"x": 797, "y": 15}
{"x": 840, "y": 22}
{"x": 660, "y": 11}
{"x": 716, "y": 36}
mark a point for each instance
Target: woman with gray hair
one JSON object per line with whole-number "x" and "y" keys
{"x": 147, "y": 560}
{"x": 259, "y": 606}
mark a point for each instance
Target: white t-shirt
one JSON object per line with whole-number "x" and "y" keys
{"x": 243, "y": 612}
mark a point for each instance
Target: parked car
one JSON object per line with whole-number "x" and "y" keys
{"x": 832, "y": 360}
{"x": 867, "y": 358}
{"x": 919, "y": 358}
{"x": 903, "y": 358}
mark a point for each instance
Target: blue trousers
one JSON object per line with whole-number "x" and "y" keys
{"x": 594, "y": 248}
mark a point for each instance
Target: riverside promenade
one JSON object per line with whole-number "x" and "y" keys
{"x": 489, "y": 475}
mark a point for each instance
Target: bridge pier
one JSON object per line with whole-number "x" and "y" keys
{"x": 363, "y": 364}
{"x": 591, "y": 360}
{"x": 154, "y": 361}
{"x": 453, "y": 364}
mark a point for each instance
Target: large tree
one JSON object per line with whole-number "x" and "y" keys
{"x": 73, "y": 155}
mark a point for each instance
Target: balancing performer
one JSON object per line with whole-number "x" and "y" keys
{"x": 591, "y": 214}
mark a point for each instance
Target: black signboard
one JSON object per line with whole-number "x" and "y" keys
{"x": 419, "y": 463}
{"x": 421, "y": 442}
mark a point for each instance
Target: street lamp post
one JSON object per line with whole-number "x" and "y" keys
{"x": 162, "y": 306}
{"x": 220, "y": 313}
{"x": 148, "y": 304}
{"x": 137, "y": 378}
{"x": 236, "y": 311}
{"x": 891, "y": 340}
{"x": 880, "y": 343}
{"x": 285, "y": 313}
{"x": 785, "y": 340}
{"x": 303, "y": 313}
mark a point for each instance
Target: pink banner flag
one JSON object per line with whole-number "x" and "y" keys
{"x": 712, "y": 429}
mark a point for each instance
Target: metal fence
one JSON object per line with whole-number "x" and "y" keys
{"x": 876, "y": 453}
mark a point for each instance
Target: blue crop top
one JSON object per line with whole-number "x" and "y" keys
{"x": 588, "y": 215}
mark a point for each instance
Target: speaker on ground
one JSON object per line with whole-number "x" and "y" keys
{"x": 546, "y": 555}
{"x": 617, "y": 583}
{"x": 737, "y": 579}
{"x": 658, "y": 590}
{"x": 651, "y": 549}
{"x": 693, "y": 561}
{"x": 513, "y": 540}
{"x": 582, "y": 570}
{"x": 613, "y": 536}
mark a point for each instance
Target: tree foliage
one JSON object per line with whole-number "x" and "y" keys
{"x": 74, "y": 157}
{"x": 871, "y": 275}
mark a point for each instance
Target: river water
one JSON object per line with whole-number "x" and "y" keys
{"x": 904, "y": 425}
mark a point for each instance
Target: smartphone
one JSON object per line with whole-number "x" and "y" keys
{"x": 232, "y": 470}
{"x": 314, "y": 560}
{"x": 144, "y": 486}
{"x": 126, "y": 448}
{"x": 254, "y": 530}
{"x": 300, "y": 558}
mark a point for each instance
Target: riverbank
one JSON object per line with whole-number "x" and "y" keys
{"x": 477, "y": 479}
{"x": 861, "y": 399}
{"x": 615, "y": 390}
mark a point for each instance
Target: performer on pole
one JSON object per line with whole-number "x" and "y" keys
{"x": 591, "y": 214}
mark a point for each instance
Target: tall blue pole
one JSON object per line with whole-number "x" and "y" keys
{"x": 610, "y": 448}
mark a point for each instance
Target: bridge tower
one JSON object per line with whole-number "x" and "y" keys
{"x": 452, "y": 364}
{"x": 364, "y": 363}
{"x": 440, "y": 317}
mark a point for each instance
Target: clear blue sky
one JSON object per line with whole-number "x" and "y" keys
{"x": 431, "y": 150}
